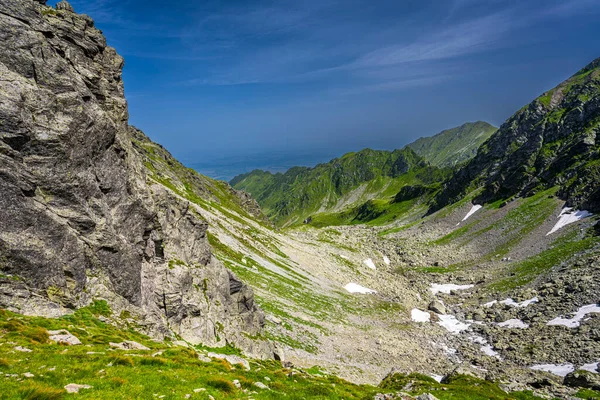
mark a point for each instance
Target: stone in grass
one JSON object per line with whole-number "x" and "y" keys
{"x": 28, "y": 375}
{"x": 75, "y": 388}
{"x": 128, "y": 345}
{"x": 427, "y": 396}
{"x": 23, "y": 349}
{"x": 199, "y": 390}
{"x": 231, "y": 359}
{"x": 260, "y": 385}
{"x": 64, "y": 337}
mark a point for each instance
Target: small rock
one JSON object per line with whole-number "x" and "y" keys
{"x": 28, "y": 375}
{"x": 437, "y": 307}
{"x": 187, "y": 396}
{"x": 199, "y": 390}
{"x": 75, "y": 388}
{"x": 23, "y": 349}
{"x": 128, "y": 345}
{"x": 260, "y": 385}
{"x": 427, "y": 396}
{"x": 65, "y": 337}
{"x": 237, "y": 384}
{"x": 231, "y": 359}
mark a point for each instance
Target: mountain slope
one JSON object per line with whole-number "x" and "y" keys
{"x": 350, "y": 180}
{"x": 552, "y": 141}
{"x": 453, "y": 146}
{"x": 82, "y": 213}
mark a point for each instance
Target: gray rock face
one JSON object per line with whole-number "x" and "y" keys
{"x": 78, "y": 220}
{"x": 64, "y": 5}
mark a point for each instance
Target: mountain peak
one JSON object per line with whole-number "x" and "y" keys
{"x": 591, "y": 66}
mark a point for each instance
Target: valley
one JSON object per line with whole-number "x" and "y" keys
{"x": 462, "y": 266}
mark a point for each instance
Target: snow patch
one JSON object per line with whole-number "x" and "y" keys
{"x": 577, "y": 317}
{"x": 369, "y": 263}
{"x": 514, "y": 323}
{"x": 451, "y": 324}
{"x": 356, "y": 288}
{"x": 567, "y": 216}
{"x": 386, "y": 260}
{"x": 447, "y": 287}
{"x": 419, "y": 316}
{"x": 489, "y": 350}
{"x": 344, "y": 257}
{"x": 437, "y": 378}
{"x": 592, "y": 367}
{"x": 556, "y": 369}
{"x": 485, "y": 348}
{"x": 474, "y": 209}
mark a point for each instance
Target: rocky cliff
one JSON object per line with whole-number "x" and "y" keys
{"x": 79, "y": 217}
{"x": 550, "y": 142}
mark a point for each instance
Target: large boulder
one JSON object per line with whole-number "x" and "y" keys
{"x": 583, "y": 379}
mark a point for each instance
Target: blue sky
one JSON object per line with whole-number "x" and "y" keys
{"x": 292, "y": 82}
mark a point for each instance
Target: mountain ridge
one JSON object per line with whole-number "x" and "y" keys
{"x": 293, "y": 196}
{"x": 287, "y": 201}
{"x": 455, "y": 145}
{"x": 551, "y": 141}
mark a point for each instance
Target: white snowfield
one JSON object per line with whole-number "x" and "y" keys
{"x": 451, "y": 324}
{"x": 419, "y": 316}
{"x": 356, "y": 288}
{"x": 592, "y": 367}
{"x": 474, "y": 209}
{"x": 556, "y": 369}
{"x": 577, "y": 317}
{"x": 567, "y": 216}
{"x": 514, "y": 323}
{"x": 447, "y": 287}
{"x": 369, "y": 263}
{"x": 512, "y": 303}
{"x": 438, "y": 378}
{"x": 386, "y": 260}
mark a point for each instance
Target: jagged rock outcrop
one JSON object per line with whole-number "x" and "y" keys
{"x": 78, "y": 219}
{"x": 553, "y": 141}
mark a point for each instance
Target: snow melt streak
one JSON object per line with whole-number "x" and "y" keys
{"x": 474, "y": 209}
{"x": 576, "y": 320}
{"x": 451, "y": 324}
{"x": 556, "y": 369}
{"x": 447, "y": 287}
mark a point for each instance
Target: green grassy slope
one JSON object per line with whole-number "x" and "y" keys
{"x": 453, "y": 146}
{"x": 168, "y": 371}
{"x": 301, "y": 192}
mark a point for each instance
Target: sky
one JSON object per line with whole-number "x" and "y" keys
{"x": 228, "y": 86}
